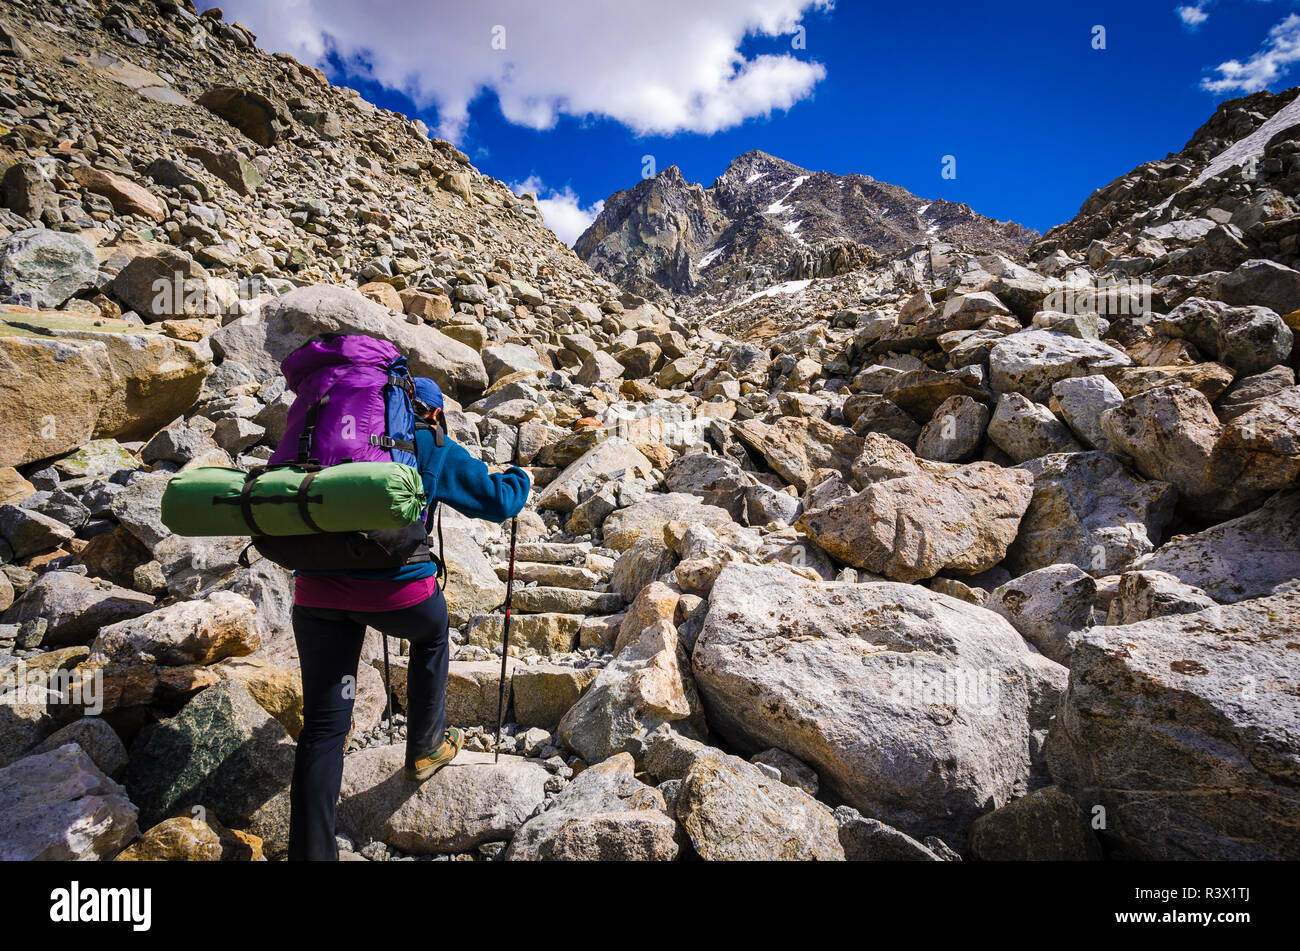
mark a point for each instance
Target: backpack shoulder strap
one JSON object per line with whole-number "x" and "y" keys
{"x": 422, "y": 449}
{"x": 424, "y": 463}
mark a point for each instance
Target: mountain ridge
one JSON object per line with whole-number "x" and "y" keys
{"x": 766, "y": 219}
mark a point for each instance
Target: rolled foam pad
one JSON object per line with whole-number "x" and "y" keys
{"x": 352, "y": 496}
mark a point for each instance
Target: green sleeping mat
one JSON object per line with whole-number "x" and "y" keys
{"x": 350, "y": 497}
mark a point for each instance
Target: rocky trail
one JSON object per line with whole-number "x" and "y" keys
{"x": 947, "y": 551}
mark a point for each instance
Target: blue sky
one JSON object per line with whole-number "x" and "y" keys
{"x": 569, "y": 97}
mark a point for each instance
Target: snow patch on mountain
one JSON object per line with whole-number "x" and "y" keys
{"x": 779, "y": 207}
{"x": 711, "y": 257}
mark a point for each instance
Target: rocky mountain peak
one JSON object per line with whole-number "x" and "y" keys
{"x": 765, "y": 220}
{"x": 746, "y": 166}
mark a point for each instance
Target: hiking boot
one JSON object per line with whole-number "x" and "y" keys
{"x": 428, "y": 764}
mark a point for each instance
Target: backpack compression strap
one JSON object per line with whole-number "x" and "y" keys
{"x": 246, "y": 504}
{"x": 388, "y": 442}
{"x": 301, "y": 498}
{"x": 407, "y": 445}
{"x": 309, "y": 429}
{"x": 397, "y": 381}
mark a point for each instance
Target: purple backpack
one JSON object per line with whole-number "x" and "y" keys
{"x": 353, "y": 403}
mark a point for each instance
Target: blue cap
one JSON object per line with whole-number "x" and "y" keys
{"x": 428, "y": 392}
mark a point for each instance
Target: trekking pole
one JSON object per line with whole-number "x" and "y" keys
{"x": 388, "y": 690}
{"x": 505, "y": 623}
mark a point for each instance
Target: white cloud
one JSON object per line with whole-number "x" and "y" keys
{"x": 1280, "y": 51}
{"x": 562, "y": 210}
{"x": 671, "y": 66}
{"x": 1193, "y": 16}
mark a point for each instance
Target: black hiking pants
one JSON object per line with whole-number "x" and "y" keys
{"x": 329, "y": 648}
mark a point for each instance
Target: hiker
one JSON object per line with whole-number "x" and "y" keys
{"x": 333, "y": 609}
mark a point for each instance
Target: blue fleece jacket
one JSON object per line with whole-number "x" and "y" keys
{"x": 450, "y": 474}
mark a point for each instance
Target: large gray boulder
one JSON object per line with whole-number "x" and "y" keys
{"x": 264, "y": 120}
{"x": 877, "y": 414}
{"x": 97, "y": 740}
{"x": 1248, "y": 339}
{"x": 715, "y": 479}
{"x": 870, "y": 840}
{"x": 1082, "y": 400}
{"x": 59, "y": 806}
{"x": 222, "y": 751}
{"x": 168, "y": 283}
{"x": 42, "y": 269}
{"x": 263, "y": 339}
{"x": 1258, "y": 449}
{"x": 1031, "y": 361}
{"x": 646, "y": 519}
{"x": 75, "y": 607}
{"x": 912, "y": 528}
{"x": 1246, "y": 557}
{"x": 506, "y": 358}
{"x": 29, "y": 532}
{"x": 1143, "y": 595}
{"x": 1169, "y": 433}
{"x": 733, "y": 811}
{"x": 702, "y": 472}
{"x": 605, "y": 814}
{"x": 607, "y": 457}
{"x": 921, "y": 391}
{"x": 1261, "y": 282}
{"x": 955, "y": 432}
{"x": 24, "y": 187}
{"x": 647, "y": 684}
{"x": 1045, "y": 826}
{"x": 187, "y": 632}
{"x": 543, "y": 693}
{"x": 1026, "y": 430}
{"x": 1048, "y": 607}
{"x": 914, "y": 707}
{"x": 66, "y": 379}
{"x": 472, "y": 588}
{"x": 796, "y": 447}
{"x": 25, "y": 711}
{"x": 646, "y": 561}
{"x": 470, "y": 801}
{"x": 1183, "y": 730}
{"x": 1249, "y": 392}
{"x": 1088, "y": 510}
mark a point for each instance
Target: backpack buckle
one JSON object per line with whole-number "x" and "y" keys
{"x": 383, "y": 442}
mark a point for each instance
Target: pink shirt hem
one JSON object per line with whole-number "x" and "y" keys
{"x": 360, "y": 594}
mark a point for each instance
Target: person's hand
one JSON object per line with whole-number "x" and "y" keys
{"x": 497, "y": 470}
